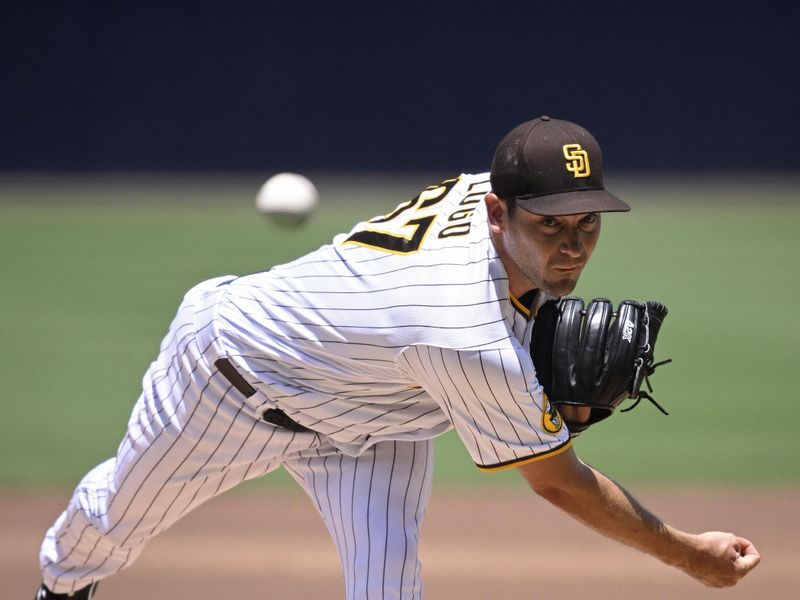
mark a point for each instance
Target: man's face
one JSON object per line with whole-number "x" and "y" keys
{"x": 549, "y": 252}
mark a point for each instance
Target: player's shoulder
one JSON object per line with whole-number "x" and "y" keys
{"x": 475, "y": 181}
{"x": 466, "y": 184}
{"x": 459, "y": 185}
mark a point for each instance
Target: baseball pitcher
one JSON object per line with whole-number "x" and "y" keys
{"x": 343, "y": 365}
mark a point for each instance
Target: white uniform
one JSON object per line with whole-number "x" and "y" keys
{"x": 374, "y": 344}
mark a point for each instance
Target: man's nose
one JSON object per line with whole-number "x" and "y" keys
{"x": 572, "y": 245}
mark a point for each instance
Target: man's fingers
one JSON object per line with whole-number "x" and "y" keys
{"x": 745, "y": 546}
{"x": 749, "y": 556}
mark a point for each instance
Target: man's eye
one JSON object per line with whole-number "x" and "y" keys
{"x": 548, "y": 222}
{"x": 590, "y": 218}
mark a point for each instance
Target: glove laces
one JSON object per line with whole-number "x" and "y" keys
{"x": 645, "y": 369}
{"x": 640, "y": 394}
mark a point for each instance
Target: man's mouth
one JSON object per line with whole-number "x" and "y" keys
{"x": 568, "y": 268}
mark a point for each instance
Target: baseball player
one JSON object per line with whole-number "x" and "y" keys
{"x": 343, "y": 365}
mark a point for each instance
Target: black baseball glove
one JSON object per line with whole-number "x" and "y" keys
{"x": 593, "y": 357}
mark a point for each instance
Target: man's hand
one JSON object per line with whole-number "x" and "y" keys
{"x": 575, "y": 414}
{"x": 722, "y": 559}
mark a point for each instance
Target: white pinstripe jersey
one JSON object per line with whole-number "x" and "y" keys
{"x": 400, "y": 329}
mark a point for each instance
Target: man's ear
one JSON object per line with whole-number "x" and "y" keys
{"x": 497, "y": 212}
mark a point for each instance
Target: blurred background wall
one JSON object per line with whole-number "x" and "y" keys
{"x": 403, "y": 86}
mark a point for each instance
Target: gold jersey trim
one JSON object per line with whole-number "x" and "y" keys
{"x": 520, "y": 307}
{"x": 518, "y": 462}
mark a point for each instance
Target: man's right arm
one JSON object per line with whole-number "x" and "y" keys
{"x": 716, "y": 559}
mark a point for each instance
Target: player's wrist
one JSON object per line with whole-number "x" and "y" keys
{"x": 685, "y": 551}
{"x": 672, "y": 546}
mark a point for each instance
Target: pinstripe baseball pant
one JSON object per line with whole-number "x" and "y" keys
{"x": 192, "y": 436}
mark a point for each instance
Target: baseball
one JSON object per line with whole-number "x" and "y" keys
{"x": 287, "y": 198}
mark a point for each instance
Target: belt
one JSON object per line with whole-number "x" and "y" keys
{"x": 272, "y": 415}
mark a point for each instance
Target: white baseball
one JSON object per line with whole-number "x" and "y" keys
{"x": 287, "y": 198}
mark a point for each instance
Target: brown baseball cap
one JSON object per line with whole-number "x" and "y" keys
{"x": 552, "y": 167}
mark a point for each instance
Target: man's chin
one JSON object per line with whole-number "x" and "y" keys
{"x": 562, "y": 287}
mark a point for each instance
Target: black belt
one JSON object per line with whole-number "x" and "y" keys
{"x": 272, "y": 415}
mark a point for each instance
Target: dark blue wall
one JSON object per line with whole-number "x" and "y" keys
{"x": 393, "y": 86}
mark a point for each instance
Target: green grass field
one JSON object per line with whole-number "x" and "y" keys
{"x": 92, "y": 272}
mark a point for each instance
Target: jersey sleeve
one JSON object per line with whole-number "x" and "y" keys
{"x": 494, "y": 402}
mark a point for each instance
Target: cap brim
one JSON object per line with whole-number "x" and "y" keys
{"x": 573, "y": 203}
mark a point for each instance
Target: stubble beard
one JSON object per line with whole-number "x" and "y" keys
{"x": 554, "y": 283}
{"x": 549, "y": 280}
